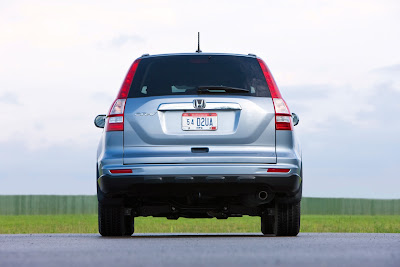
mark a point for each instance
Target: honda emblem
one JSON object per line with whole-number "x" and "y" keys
{"x": 199, "y": 103}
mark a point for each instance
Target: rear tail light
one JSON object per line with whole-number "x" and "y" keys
{"x": 115, "y": 118}
{"x": 283, "y": 118}
{"x": 118, "y": 107}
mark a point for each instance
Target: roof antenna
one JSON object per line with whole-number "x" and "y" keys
{"x": 198, "y": 43}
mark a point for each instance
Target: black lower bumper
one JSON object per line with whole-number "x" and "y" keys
{"x": 139, "y": 185}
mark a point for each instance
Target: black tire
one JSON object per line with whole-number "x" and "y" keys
{"x": 287, "y": 216}
{"x": 267, "y": 224}
{"x": 284, "y": 222}
{"x": 129, "y": 225}
{"x": 113, "y": 221}
{"x": 287, "y": 219}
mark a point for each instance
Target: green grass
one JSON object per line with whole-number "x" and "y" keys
{"x": 28, "y": 224}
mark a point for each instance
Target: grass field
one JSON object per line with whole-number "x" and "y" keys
{"x": 28, "y": 224}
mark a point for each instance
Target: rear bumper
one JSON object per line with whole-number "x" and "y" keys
{"x": 195, "y": 189}
{"x": 199, "y": 174}
{"x": 133, "y": 184}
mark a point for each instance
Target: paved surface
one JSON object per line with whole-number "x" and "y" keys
{"x": 200, "y": 250}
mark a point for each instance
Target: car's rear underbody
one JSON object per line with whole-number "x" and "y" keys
{"x": 199, "y": 196}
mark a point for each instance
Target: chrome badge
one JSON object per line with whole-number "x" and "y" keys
{"x": 199, "y": 103}
{"x": 145, "y": 114}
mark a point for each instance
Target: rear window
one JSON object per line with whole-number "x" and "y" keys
{"x": 184, "y": 74}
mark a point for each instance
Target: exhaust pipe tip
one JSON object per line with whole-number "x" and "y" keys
{"x": 262, "y": 195}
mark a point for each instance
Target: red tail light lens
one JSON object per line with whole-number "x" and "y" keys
{"x": 283, "y": 123}
{"x": 115, "y": 118}
{"x": 273, "y": 88}
{"x": 126, "y": 85}
{"x": 283, "y": 118}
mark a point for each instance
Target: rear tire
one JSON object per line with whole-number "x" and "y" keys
{"x": 284, "y": 222}
{"x": 287, "y": 219}
{"x": 129, "y": 225}
{"x": 114, "y": 222}
{"x": 267, "y": 224}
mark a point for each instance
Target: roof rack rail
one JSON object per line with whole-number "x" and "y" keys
{"x": 145, "y": 55}
{"x": 253, "y": 55}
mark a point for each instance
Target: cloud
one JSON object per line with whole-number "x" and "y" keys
{"x": 349, "y": 135}
{"x": 388, "y": 69}
{"x": 9, "y": 98}
{"x": 345, "y": 160}
{"x": 123, "y": 39}
{"x": 387, "y": 77}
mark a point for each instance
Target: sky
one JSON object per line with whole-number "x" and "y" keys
{"x": 337, "y": 64}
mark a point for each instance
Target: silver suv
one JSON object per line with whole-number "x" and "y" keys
{"x": 199, "y": 136}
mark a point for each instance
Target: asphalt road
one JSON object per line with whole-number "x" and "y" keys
{"x": 307, "y": 249}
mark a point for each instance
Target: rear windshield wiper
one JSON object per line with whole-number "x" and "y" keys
{"x": 220, "y": 89}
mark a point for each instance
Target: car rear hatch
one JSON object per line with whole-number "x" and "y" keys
{"x": 199, "y": 109}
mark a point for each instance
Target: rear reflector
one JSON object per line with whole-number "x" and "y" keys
{"x": 121, "y": 171}
{"x": 278, "y": 170}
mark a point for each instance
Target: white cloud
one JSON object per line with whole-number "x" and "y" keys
{"x": 9, "y": 98}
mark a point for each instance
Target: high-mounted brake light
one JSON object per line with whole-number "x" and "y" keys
{"x": 283, "y": 117}
{"x": 115, "y": 118}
